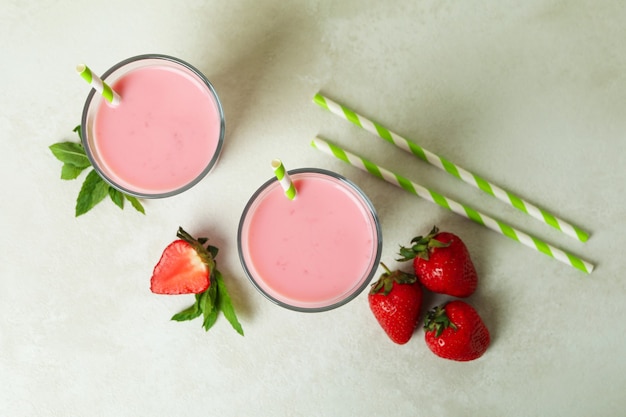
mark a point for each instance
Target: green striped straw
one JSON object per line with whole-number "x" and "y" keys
{"x": 458, "y": 208}
{"x": 453, "y": 169}
{"x": 283, "y": 178}
{"x": 97, "y": 84}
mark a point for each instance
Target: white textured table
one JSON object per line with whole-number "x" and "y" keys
{"x": 527, "y": 94}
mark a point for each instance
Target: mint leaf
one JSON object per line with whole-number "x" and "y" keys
{"x": 204, "y": 302}
{"x": 94, "y": 188}
{"x": 210, "y": 318}
{"x": 93, "y": 191}
{"x": 189, "y": 313}
{"x": 71, "y": 153}
{"x": 225, "y": 304}
{"x": 209, "y": 306}
{"x": 135, "y": 203}
{"x": 117, "y": 197}
{"x": 70, "y": 172}
{"x": 79, "y": 131}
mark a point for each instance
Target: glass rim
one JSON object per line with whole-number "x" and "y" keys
{"x": 93, "y": 95}
{"x": 366, "y": 202}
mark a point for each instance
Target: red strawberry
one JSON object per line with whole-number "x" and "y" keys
{"x": 184, "y": 268}
{"x": 395, "y": 299}
{"x": 455, "y": 331}
{"x": 442, "y": 263}
{"x": 187, "y": 266}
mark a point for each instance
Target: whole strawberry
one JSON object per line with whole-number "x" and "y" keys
{"x": 442, "y": 263}
{"x": 455, "y": 331}
{"x": 395, "y": 299}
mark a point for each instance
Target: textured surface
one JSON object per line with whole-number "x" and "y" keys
{"x": 529, "y": 95}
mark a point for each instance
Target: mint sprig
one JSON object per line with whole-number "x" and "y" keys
{"x": 215, "y": 299}
{"x": 94, "y": 188}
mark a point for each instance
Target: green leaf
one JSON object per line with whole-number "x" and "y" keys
{"x": 212, "y": 250}
{"x": 71, "y": 153}
{"x": 117, "y": 197}
{"x": 225, "y": 304}
{"x": 79, "y": 131}
{"x": 135, "y": 203}
{"x": 209, "y": 306}
{"x": 206, "y": 301}
{"x": 94, "y": 188}
{"x": 70, "y": 172}
{"x": 210, "y": 318}
{"x": 93, "y": 191}
{"x": 189, "y": 313}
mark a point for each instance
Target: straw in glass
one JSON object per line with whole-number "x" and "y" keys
{"x": 458, "y": 208}
{"x": 283, "y": 178}
{"x": 453, "y": 169}
{"x": 97, "y": 84}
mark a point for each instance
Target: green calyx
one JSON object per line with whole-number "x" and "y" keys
{"x": 437, "y": 321}
{"x": 388, "y": 278}
{"x": 207, "y": 254}
{"x": 421, "y": 246}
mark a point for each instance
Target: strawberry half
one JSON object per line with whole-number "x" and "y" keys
{"x": 188, "y": 267}
{"x": 455, "y": 331}
{"x": 442, "y": 263}
{"x": 395, "y": 300}
{"x": 184, "y": 268}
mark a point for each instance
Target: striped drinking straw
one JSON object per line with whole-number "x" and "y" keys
{"x": 97, "y": 84}
{"x": 283, "y": 178}
{"x": 453, "y": 169}
{"x": 458, "y": 208}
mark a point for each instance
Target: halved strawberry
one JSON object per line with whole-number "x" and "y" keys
{"x": 188, "y": 266}
{"x": 184, "y": 268}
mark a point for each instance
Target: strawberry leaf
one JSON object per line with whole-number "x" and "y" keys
{"x": 437, "y": 321}
{"x": 93, "y": 191}
{"x": 225, "y": 304}
{"x": 212, "y": 250}
{"x": 421, "y": 246}
{"x": 386, "y": 281}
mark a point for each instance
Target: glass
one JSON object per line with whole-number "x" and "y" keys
{"x": 314, "y": 253}
{"x": 154, "y": 163}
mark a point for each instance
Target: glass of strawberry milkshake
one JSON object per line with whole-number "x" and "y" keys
{"x": 166, "y": 133}
{"x": 315, "y": 252}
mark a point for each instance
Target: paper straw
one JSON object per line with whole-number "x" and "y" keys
{"x": 98, "y": 85}
{"x": 452, "y": 205}
{"x": 451, "y": 168}
{"x": 283, "y": 178}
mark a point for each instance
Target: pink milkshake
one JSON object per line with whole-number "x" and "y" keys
{"x": 315, "y": 252}
{"x": 164, "y": 136}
